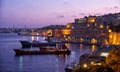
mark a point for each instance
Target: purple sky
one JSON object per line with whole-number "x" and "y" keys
{"x": 39, "y": 13}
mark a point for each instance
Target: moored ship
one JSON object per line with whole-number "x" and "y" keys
{"x": 44, "y": 50}
{"x": 36, "y": 44}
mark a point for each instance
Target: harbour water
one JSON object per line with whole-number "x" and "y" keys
{"x": 9, "y": 62}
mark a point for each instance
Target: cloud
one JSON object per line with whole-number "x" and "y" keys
{"x": 88, "y": 14}
{"x": 116, "y": 7}
{"x": 82, "y": 14}
{"x": 67, "y": 3}
{"x": 74, "y": 16}
{"x": 60, "y": 16}
{"x": 109, "y": 8}
{"x": 98, "y": 14}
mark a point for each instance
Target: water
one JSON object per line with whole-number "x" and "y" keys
{"x": 35, "y": 63}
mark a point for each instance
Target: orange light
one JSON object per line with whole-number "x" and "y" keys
{"x": 91, "y": 19}
{"x": 85, "y": 65}
{"x": 49, "y": 32}
{"x": 93, "y": 48}
{"x": 93, "y": 41}
{"x": 109, "y": 30}
{"x": 88, "y": 25}
{"x": 101, "y": 26}
{"x": 81, "y": 39}
{"x": 66, "y": 31}
{"x": 92, "y": 63}
{"x": 114, "y": 38}
{"x": 68, "y": 25}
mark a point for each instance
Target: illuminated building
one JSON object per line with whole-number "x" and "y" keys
{"x": 66, "y": 31}
{"x": 92, "y": 29}
{"x": 87, "y": 30}
{"x": 114, "y": 38}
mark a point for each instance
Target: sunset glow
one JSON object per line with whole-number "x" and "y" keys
{"x": 39, "y": 13}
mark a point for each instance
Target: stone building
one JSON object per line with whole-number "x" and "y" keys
{"x": 87, "y": 30}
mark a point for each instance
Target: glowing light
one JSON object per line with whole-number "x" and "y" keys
{"x": 81, "y": 39}
{"x": 95, "y": 24}
{"x": 92, "y": 63}
{"x": 97, "y": 64}
{"x": 114, "y": 38}
{"x": 107, "y": 27}
{"x": 68, "y": 25}
{"x": 69, "y": 37}
{"x": 93, "y": 41}
{"x": 104, "y": 54}
{"x": 85, "y": 65}
{"x": 106, "y": 42}
{"x": 66, "y": 31}
{"x": 88, "y": 25}
{"x": 33, "y": 38}
{"x": 37, "y": 33}
{"x": 81, "y": 47}
{"x": 49, "y": 32}
{"x": 91, "y": 19}
{"x": 93, "y": 48}
{"x": 109, "y": 30}
{"x": 101, "y": 26}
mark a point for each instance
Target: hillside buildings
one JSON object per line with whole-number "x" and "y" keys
{"x": 90, "y": 30}
{"x": 87, "y": 30}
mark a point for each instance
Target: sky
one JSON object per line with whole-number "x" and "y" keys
{"x": 40, "y": 13}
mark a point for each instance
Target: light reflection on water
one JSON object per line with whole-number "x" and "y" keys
{"x": 36, "y": 63}
{"x": 20, "y": 64}
{"x": 93, "y": 48}
{"x": 81, "y": 47}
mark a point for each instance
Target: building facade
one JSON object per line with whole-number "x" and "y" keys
{"x": 87, "y": 30}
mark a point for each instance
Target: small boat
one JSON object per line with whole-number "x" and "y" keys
{"x": 70, "y": 67}
{"x": 36, "y": 44}
{"x": 43, "y": 50}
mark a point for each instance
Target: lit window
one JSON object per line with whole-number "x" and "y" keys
{"x": 101, "y": 26}
{"x": 93, "y": 41}
{"x": 68, "y": 26}
{"x": 88, "y": 25}
{"x": 91, "y": 19}
{"x": 109, "y": 30}
{"x": 66, "y": 31}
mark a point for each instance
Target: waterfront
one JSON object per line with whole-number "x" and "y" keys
{"x": 35, "y": 63}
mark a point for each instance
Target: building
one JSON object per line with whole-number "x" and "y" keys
{"x": 87, "y": 30}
